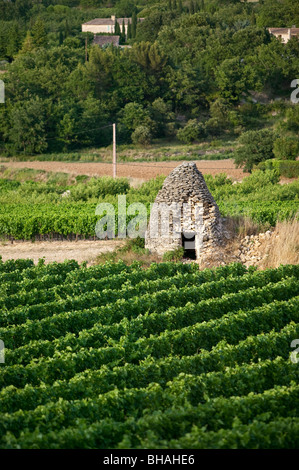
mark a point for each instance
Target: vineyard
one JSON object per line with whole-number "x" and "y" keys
{"x": 116, "y": 356}
{"x": 35, "y": 210}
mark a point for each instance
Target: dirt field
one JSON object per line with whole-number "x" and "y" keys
{"x": 140, "y": 171}
{"x": 80, "y": 251}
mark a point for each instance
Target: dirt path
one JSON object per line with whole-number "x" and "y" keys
{"x": 80, "y": 251}
{"x": 142, "y": 170}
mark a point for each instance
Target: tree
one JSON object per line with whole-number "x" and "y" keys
{"x": 192, "y": 132}
{"x": 292, "y": 119}
{"x": 286, "y": 148}
{"x": 38, "y": 32}
{"x": 123, "y": 33}
{"x": 13, "y": 41}
{"x": 149, "y": 56}
{"x": 129, "y": 31}
{"x": 233, "y": 79}
{"x": 26, "y": 127}
{"x": 256, "y": 146}
{"x": 191, "y": 7}
{"x": 125, "y": 8}
{"x": 117, "y": 30}
{"x": 134, "y": 115}
{"x": 163, "y": 117}
{"x": 134, "y": 24}
{"x": 60, "y": 37}
{"x": 142, "y": 135}
{"x": 28, "y": 44}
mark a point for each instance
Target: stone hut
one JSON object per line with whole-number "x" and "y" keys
{"x": 184, "y": 214}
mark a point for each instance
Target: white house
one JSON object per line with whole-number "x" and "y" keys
{"x": 285, "y": 34}
{"x": 106, "y": 25}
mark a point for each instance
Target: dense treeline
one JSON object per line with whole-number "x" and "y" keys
{"x": 191, "y": 72}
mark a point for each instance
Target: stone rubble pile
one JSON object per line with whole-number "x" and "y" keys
{"x": 249, "y": 251}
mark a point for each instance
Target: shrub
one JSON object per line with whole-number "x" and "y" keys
{"x": 193, "y": 131}
{"x": 256, "y": 146}
{"x": 287, "y": 168}
{"x": 259, "y": 179}
{"x": 292, "y": 119}
{"x": 142, "y": 136}
{"x": 286, "y": 148}
{"x": 99, "y": 187}
{"x": 174, "y": 255}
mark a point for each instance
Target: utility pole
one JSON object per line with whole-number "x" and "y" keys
{"x": 114, "y": 150}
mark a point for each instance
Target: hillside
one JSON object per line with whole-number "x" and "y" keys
{"x": 196, "y": 72}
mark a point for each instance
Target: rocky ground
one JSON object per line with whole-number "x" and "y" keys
{"x": 255, "y": 248}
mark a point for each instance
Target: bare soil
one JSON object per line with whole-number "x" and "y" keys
{"x": 138, "y": 170}
{"x": 59, "y": 251}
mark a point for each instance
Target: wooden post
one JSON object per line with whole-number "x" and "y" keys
{"x": 114, "y": 150}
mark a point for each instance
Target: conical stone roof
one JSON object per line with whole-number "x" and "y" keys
{"x": 185, "y": 182}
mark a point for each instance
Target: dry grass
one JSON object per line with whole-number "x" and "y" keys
{"x": 283, "y": 248}
{"x": 239, "y": 227}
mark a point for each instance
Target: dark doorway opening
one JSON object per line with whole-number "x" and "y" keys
{"x": 188, "y": 243}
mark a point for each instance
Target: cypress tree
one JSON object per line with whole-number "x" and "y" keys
{"x": 123, "y": 33}
{"x": 117, "y": 30}
{"x": 180, "y": 7}
{"x": 129, "y": 33}
{"x": 175, "y": 5}
{"x": 134, "y": 24}
{"x": 169, "y": 5}
{"x": 191, "y": 8}
{"x": 66, "y": 29}
{"x": 60, "y": 37}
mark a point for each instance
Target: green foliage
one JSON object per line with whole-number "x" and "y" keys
{"x": 142, "y": 136}
{"x": 26, "y": 127}
{"x": 174, "y": 255}
{"x": 287, "y": 168}
{"x": 193, "y": 131}
{"x": 259, "y": 197}
{"x": 134, "y": 115}
{"x": 286, "y": 148}
{"x": 256, "y": 146}
{"x": 99, "y": 187}
{"x": 292, "y": 119}
{"x": 125, "y": 8}
{"x": 38, "y": 33}
{"x": 233, "y": 79}
{"x": 103, "y": 355}
{"x": 190, "y": 55}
